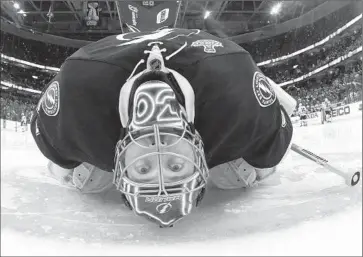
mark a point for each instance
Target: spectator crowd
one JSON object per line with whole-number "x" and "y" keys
{"x": 12, "y": 107}
{"x": 34, "y": 51}
{"x": 343, "y": 89}
{"x": 304, "y": 36}
{"x": 312, "y": 60}
{"x": 27, "y": 77}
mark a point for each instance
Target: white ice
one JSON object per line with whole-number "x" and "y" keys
{"x": 303, "y": 210}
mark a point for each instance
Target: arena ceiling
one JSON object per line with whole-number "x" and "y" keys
{"x": 66, "y": 18}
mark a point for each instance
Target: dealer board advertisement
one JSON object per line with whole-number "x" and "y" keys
{"x": 315, "y": 118}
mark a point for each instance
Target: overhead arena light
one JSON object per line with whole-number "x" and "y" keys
{"x": 16, "y": 5}
{"x": 206, "y": 14}
{"x": 276, "y": 8}
{"x": 22, "y": 12}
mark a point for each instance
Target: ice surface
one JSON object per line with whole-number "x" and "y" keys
{"x": 303, "y": 210}
{"x": 340, "y": 235}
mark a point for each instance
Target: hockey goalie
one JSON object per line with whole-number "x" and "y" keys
{"x": 159, "y": 115}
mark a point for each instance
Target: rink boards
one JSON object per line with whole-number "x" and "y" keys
{"x": 12, "y": 125}
{"x": 338, "y": 113}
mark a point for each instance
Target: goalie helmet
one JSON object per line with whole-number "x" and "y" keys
{"x": 160, "y": 167}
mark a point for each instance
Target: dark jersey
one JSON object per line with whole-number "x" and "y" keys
{"x": 237, "y": 112}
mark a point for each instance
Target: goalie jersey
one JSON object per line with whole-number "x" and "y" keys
{"x": 237, "y": 111}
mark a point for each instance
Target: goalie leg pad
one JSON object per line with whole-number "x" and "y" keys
{"x": 63, "y": 176}
{"x": 89, "y": 179}
{"x": 238, "y": 174}
{"x": 233, "y": 175}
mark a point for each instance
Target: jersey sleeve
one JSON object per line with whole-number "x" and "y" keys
{"x": 77, "y": 118}
{"x": 273, "y": 124}
{"x": 245, "y": 117}
{"x": 44, "y": 125}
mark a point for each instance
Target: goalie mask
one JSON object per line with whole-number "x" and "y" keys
{"x": 160, "y": 166}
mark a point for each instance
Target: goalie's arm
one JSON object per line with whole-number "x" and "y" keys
{"x": 274, "y": 128}
{"x": 45, "y": 131}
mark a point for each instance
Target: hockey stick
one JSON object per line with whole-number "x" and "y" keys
{"x": 351, "y": 178}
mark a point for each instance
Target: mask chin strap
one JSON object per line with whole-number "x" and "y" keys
{"x": 188, "y": 93}
{"x": 156, "y": 57}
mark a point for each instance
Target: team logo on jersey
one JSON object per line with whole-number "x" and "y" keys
{"x": 50, "y": 99}
{"x": 208, "y": 44}
{"x": 164, "y": 34}
{"x": 164, "y": 208}
{"x": 264, "y": 92}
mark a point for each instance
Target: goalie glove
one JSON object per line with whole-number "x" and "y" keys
{"x": 238, "y": 174}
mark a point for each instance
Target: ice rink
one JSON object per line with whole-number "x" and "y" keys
{"x": 303, "y": 210}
